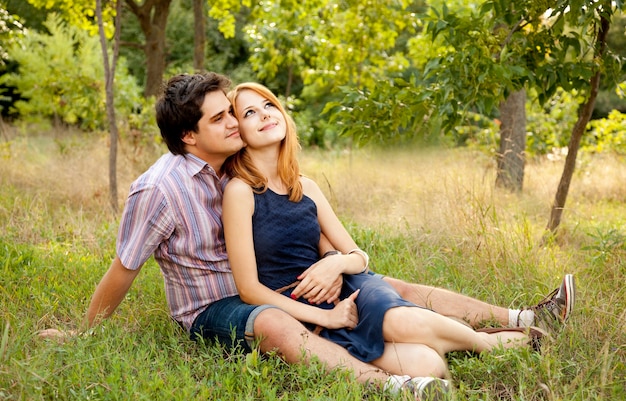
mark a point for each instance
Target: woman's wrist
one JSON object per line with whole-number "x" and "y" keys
{"x": 364, "y": 256}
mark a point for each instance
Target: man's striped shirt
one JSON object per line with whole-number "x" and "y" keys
{"x": 174, "y": 212}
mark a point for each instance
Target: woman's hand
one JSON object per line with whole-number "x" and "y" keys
{"x": 344, "y": 314}
{"x": 321, "y": 282}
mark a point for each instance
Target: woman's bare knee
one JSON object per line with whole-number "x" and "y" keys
{"x": 277, "y": 330}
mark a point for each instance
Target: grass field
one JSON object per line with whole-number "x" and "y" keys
{"x": 431, "y": 216}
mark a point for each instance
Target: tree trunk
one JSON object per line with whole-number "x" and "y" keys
{"x": 511, "y": 158}
{"x": 577, "y": 133}
{"x": 152, "y": 16}
{"x": 198, "y": 35}
{"x": 109, "y": 78}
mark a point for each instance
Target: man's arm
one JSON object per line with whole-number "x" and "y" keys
{"x": 106, "y": 298}
{"x": 110, "y": 292}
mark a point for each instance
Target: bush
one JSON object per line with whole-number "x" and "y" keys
{"x": 607, "y": 134}
{"x": 61, "y": 77}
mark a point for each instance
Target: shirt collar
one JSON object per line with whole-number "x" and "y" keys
{"x": 196, "y": 165}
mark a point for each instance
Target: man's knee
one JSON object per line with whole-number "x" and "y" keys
{"x": 402, "y": 287}
{"x": 419, "y": 294}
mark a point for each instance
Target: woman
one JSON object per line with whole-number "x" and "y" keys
{"x": 273, "y": 217}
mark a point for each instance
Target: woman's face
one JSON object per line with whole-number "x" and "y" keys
{"x": 260, "y": 122}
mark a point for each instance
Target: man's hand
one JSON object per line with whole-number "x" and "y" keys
{"x": 321, "y": 282}
{"x": 344, "y": 314}
{"x": 55, "y": 334}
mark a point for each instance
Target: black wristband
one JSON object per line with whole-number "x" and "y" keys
{"x": 333, "y": 252}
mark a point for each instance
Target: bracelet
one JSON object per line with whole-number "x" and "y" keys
{"x": 330, "y": 253}
{"x": 364, "y": 255}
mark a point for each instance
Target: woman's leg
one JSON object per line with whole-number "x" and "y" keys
{"x": 423, "y": 326}
{"x": 415, "y": 360}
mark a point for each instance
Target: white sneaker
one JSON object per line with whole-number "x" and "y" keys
{"x": 422, "y": 388}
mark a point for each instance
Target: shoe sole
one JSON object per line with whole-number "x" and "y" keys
{"x": 433, "y": 390}
{"x": 570, "y": 296}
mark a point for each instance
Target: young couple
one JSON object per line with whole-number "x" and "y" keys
{"x": 276, "y": 223}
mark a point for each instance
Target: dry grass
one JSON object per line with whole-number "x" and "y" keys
{"x": 61, "y": 177}
{"x": 449, "y": 191}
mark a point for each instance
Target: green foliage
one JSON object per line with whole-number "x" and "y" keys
{"x": 386, "y": 114}
{"x": 80, "y": 13}
{"x": 549, "y": 126}
{"x": 311, "y": 49}
{"x": 224, "y": 11}
{"x": 607, "y": 134}
{"x": 61, "y": 77}
{"x": 606, "y": 243}
{"x": 11, "y": 33}
{"x": 480, "y": 55}
{"x": 30, "y": 17}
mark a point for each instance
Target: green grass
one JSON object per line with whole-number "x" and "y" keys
{"x": 432, "y": 217}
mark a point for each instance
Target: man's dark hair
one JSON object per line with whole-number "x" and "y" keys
{"x": 178, "y": 110}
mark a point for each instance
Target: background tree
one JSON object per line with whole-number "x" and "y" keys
{"x": 511, "y": 157}
{"x": 600, "y": 30}
{"x": 152, "y": 16}
{"x": 198, "y": 34}
{"x": 59, "y": 76}
{"x": 488, "y": 53}
{"x": 109, "y": 78}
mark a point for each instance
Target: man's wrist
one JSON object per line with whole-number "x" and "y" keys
{"x": 330, "y": 253}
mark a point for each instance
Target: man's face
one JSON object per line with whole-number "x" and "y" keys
{"x": 218, "y": 131}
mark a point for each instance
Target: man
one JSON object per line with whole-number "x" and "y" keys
{"x": 173, "y": 212}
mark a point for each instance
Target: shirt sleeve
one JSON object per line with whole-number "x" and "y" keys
{"x": 144, "y": 226}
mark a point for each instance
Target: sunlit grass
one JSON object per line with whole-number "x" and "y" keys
{"x": 427, "y": 215}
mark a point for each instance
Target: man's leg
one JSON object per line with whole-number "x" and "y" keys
{"x": 449, "y": 303}
{"x": 548, "y": 314}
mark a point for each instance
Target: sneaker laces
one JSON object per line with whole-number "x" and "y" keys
{"x": 548, "y": 311}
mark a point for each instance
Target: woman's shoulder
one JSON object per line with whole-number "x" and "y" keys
{"x": 238, "y": 187}
{"x": 310, "y": 188}
{"x": 308, "y": 183}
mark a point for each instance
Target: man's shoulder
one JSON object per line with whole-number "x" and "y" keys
{"x": 167, "y": 165}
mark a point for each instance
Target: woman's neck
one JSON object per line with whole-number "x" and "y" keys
{"x": 267, "y": 163}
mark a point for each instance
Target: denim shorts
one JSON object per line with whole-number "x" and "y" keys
{"x": 229, "y": 321}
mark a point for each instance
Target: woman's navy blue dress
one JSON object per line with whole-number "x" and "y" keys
{"x": 286, "y": 239}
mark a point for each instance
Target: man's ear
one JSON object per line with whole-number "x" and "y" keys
{"x": 189, "y": 138}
